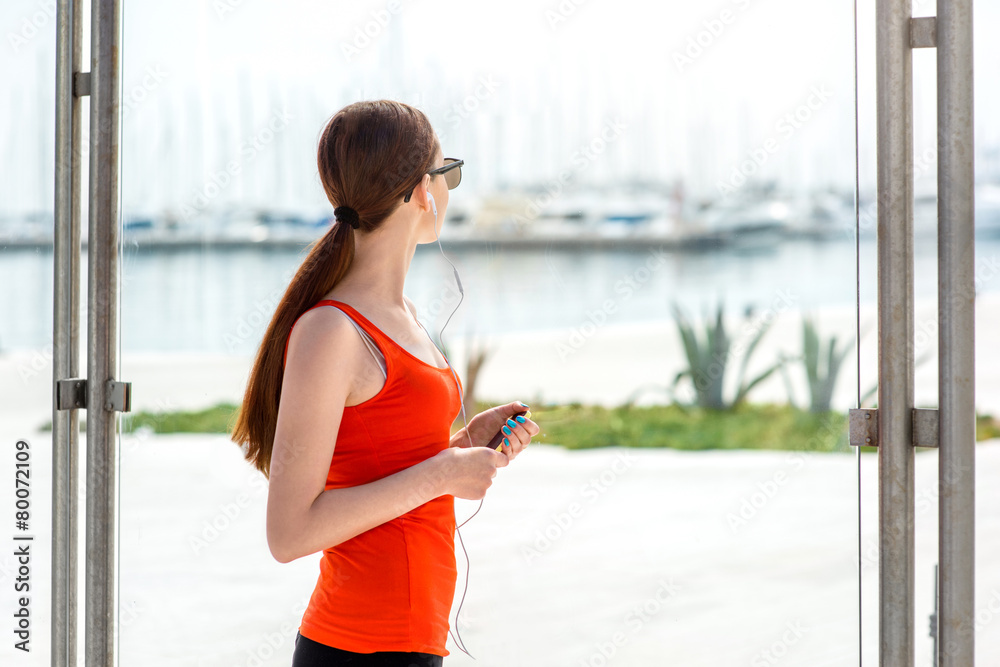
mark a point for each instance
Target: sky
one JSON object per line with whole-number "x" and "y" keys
{"x": 517, "y": 89}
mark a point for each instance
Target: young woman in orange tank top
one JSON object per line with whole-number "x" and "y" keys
{"x": 348, "y": 408}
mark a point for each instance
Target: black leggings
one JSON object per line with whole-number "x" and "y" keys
{"x": 309, "y": 653}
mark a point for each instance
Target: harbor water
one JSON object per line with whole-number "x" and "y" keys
{"x": 216, "y": 300}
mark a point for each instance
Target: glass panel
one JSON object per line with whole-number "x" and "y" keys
{"x": 926, "y": 346}
{"x": 27, "y": 122}
{"x": 926, "y": 339}
{"x": 987, "y": 281}
{"x": 26, "y": 213}
{"x": 633, "y": 158}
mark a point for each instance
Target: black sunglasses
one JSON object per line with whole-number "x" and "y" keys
{"x": 452, "y": 171}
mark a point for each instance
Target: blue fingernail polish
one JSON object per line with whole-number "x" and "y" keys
{"x": 506, "y": 443}
{"x": 520, "y": 419}
{"x": 507, "y": 430}
{"x": 511, "y": 423}
{"x": 523, "y": 404}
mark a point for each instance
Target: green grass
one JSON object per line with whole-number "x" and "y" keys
{"x": 987, "y": 427}
{"x": 215, "y": 419}
{"x": 576, "y": 426}
{"x": 748, "y": 426}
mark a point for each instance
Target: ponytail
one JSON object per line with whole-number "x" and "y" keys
{"x": 370, "y": 155}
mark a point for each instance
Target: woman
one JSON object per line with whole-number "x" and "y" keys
{"x": 349, "y": 406}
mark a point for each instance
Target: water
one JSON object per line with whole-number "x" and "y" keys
{"x": 219, "y": 301}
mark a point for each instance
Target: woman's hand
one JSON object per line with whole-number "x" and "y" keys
{"x": 517, "y": 433}
{"x": 467, "y": 472}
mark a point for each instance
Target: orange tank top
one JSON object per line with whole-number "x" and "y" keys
{"x": 390, "y": 588}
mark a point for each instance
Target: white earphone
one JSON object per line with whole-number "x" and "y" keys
{"x": 433, "y": 205}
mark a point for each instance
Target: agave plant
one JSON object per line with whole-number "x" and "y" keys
{"x": 822, "y": 360}
{"x": 822, "y": 371}
{"x": 708, "y": 357}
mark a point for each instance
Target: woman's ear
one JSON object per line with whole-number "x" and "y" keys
{"x": 425, "y": 189}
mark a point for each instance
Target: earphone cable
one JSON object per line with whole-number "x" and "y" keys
{"x": 468, "y": 564}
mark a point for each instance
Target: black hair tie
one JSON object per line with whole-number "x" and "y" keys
{"x": 348, "y": 215}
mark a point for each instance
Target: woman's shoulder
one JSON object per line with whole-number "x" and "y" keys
{"x": 325, "y": 334}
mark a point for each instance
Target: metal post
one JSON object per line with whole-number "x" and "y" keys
{"x": 934, "y": 617}
{"x": 66, "y": 332}
{"x": 956, "y": 324}
{"x": 895, "y": 328}
{"x": 102, "y": 292}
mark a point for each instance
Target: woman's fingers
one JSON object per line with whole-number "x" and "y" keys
{"x": 518, "y": 432}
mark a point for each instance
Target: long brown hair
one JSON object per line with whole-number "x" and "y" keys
{"x": 370, "y": 155}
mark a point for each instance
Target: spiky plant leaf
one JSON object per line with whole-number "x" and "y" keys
{"x": 750, "y": 349}
{"x": 742, "y": 393}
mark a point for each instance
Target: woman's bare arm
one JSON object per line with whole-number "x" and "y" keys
{"x": 324, "y": 353}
